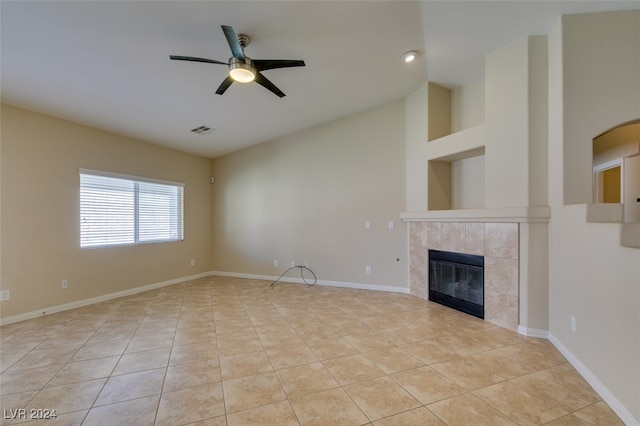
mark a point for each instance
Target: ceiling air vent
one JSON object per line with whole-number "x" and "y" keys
{"x": 202, "y": 130}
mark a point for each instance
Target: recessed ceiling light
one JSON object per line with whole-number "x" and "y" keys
{"x": 410, "y": 56}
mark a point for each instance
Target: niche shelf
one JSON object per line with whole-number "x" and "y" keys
{"x": 456, "y": 149}
{"x": 457, "y": 181}
{"x": 452, "y": 110}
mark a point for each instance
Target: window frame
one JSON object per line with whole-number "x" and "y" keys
{"x": 136, "y": 214}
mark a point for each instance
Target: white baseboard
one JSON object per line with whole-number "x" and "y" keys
{"x": 533, "y": 332}
{"x": 596, "y": 384}
{"x": 593, "y": 381}
{"x": 80, "y": 303}
{"x": 359, "y": 286}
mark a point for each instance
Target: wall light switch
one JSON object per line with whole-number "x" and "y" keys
{"x": 391, "y": 224}
{"x": 573, "y": 324}
{"x": 367, "y": 269}
{"x": 5, "y": 295}
{"x": 367, "y": 224}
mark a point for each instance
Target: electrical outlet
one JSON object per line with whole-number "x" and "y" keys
{"x": 193, "y": 262}
{"x": 306, "y": 264}
{"x": 367, "y": 269}
{"x": 390, "y": 225}
{"x": 293, "y": 263}
{"x": 573, "y": 324}
{"x": 275, "y": 262}
{"x": 64, "y": 284}
{"x": 5, "y": 295}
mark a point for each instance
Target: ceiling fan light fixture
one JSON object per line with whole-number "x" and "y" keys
{"x": 242, "y": 72}
{"x": 409, "y": 56}
{"x": 243, "y": 69}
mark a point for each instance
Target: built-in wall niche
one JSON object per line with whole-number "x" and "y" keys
{"x": 453, "y": 109}
{"x": 439, "y": 111}
{"x": 616, "y": 169}
{"x": 457, "y": 181}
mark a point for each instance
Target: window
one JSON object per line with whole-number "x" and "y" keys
{"x": 123, "y": 210}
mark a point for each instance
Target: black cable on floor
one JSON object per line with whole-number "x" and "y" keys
{"x": 302, "y": 268}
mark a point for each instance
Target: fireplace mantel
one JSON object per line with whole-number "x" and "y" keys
{"x": 536, "y": 214}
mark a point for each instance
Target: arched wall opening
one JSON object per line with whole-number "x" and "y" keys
{"x": 616, "y": 169}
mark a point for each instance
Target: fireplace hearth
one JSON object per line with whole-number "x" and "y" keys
{"x": 456, "y": 280}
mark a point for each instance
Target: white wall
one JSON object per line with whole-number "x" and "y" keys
{"x": 305, "y": 198}
{"x": 591, "y": 276}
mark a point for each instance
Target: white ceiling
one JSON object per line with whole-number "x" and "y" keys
{"x": 106, "y": 63}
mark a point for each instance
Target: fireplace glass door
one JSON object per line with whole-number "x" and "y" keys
{"x": 457, "y": 280}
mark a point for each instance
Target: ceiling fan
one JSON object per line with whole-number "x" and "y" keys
{"x": 242, "y": 68}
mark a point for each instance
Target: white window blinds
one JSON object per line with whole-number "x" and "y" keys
{"x": 121, "y": 210}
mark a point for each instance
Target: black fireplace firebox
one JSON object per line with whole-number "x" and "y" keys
{"x": 456, "y": 280}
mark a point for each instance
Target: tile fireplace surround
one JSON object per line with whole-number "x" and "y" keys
{"x": 494, "y": 235}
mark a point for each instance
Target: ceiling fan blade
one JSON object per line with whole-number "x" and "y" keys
{"x": 234, "y": 44}
{"x": 269, "y": 64}
{"x": 264, "y": 82}
{"x": 224, "y": 85}
{"x": 193, "y": 59}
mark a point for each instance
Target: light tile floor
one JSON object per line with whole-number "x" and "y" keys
{"x": 229, "y": 351}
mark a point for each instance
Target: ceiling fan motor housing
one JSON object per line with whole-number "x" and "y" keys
{"x": 244, "y": 40}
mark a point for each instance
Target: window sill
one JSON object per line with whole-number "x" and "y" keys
{"x": 604, "y": 213}
{"x": 614, "y": 213}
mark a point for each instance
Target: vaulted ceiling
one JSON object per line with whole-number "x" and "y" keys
{"x": 106, "y": 64}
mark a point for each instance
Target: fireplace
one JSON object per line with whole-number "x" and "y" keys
{"x": 456, "y": 280}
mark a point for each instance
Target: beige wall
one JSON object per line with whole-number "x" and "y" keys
{"x": 416, "y": 113}
{"x": 305, "y": 198}
{"x": 467, "y": 183}
{"x": 632, "y": 189}
{"x": 516, "y": 136}
{"x": 440, "y": 117}
{"x": 538, "y": 150}
{"x": 512, "y": 138}
{"x": 41, "y": 156}
{"x": 591, "y": 276}
{"x": 592, "y": 107}
{"x": 467, "y": 106}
